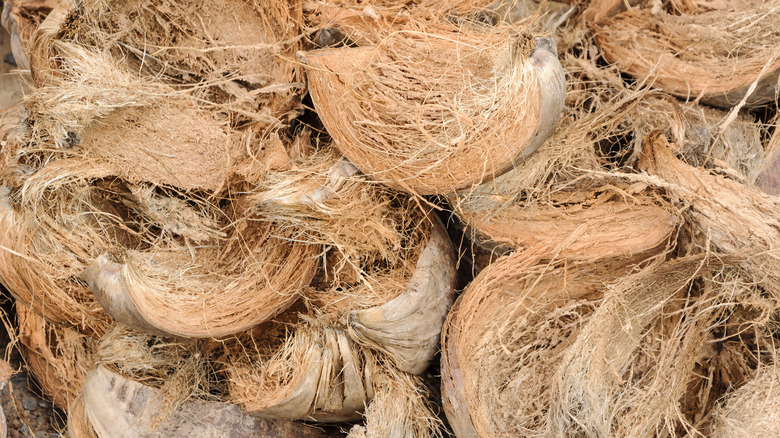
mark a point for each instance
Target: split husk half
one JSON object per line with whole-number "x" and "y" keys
{"x": 721, "y": 53}
{"x": 58, "y": 356}
{"x": 579, "y": 211}
{"x": 326, "y": 369}
{"x": 487, "y": 99}
{"x": 641, "y": 353}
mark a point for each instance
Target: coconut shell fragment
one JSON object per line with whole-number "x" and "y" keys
{"x": 469, "y": 116}
{"x": 119, "y": 407}
{"x": 720, "y": 53}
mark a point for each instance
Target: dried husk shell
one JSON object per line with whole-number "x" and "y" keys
{"x": 120, "y": 407}
{"x": 717, "y": 52}
{"x": 446, "y": 127}
{"x": 58, "y": 356}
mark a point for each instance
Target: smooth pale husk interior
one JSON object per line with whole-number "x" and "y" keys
{"x": 446, "y": 126}
{"x": 695, "y": 49}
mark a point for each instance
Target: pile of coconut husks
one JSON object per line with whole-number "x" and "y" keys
{"x": 397, "y": 218}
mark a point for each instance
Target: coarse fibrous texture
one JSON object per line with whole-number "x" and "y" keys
{"x": 120, "y": 407}
{"x": 324, "y": 370}
{"x": 768, "y": 179}
{"x": 128, "y": 189}
{"x": 579, "y": 211}
{"x": 486, "y": 99}
{"x": 236, "y": 55}
{"x": 58, "y": 356}
{"x": 20, "y": 18}
{"x": 389, "y": 265}
{"x": 719, "y": 52}
{"x": 399, "y": 409}
{"x": 633, "y": 353}
{"x": 753, "y": 410}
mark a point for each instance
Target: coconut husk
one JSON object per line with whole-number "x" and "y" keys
{"x": 20, "y": 18}
{"x": 399, "y": 409}
{"x": 647, "y": 354}
{"x": 58, "y": 356}
{"x": 751, "y": 410}
{"x": 728, "y": 215}
{"x": 721, "y": 53}
{"x": 396, "y": 300}
{"x": 78, "y": 423}
{"x": 151, "y": 259}
{"x": 578, "y": 214}
{"x": 536, "y": 307}
{"x": 119, "y": 407}
{"x": 325, "y": 370}
{"x": 418, "y": 130}
{"x": 236, "y": 55}
{"x": 768, "y": 179}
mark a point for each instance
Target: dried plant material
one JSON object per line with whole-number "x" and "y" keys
{"x": 512, "y": 325}
{"x": 731, "y": 217}
{"x": 769, "y": 178}
{"x": 119, "y": 407}
{"x": 399, "y": 409}
{"x": 20, "y": 18}
{"x": 485, "y": 100}
{"x": 600, "y": 349}
{"x": 579, "y": 211}
{"x": 152, "y": 260}
{"x": 723, "y": 53}
{"x": 58, "y": 356}
{"x": 78, "y": 423}
{"x": 320, "y": 372}
{"x": 752, "y": 410}
{"x": 238, "y": 55}
{"x": 390, "y": 265}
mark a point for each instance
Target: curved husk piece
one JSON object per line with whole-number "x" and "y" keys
{"x": 535, "y": 311}
{"x": 119, "y": 407}
{"x": 58, "y": 356}
{"x": 398, "y": 310}
{"x": 646, "y": 352}
{"x": 580, "y": 215}
{"x": 324, "y": 370}
{"x": 20, "y": 18}
{"x": 399, "y": 409}
{"x": 721, "y": 53}
{"x": 407, "y": 328}
{"x": 206, "y": 292}
{"x": 733, "y": 217}
{"x": 752, "y": 410}
{"x": 317, "y": 374}
{"x": 486, "y": 100}
{"x": 238, "y": 55}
